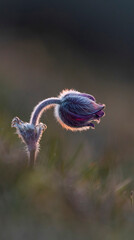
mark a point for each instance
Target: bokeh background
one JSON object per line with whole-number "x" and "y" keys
{"x": 82, "y": 186}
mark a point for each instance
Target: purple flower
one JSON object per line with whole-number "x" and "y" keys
{"x": 77, "y": 111}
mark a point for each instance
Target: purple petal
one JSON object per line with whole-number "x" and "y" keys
{"x": 71, "y": 119}
{"x": 76, "y": 117}
{"x": 88, "y": 96}
{"x": 94, "y": 107}
{"x": 91, "y": 125}
{"x": 100, "y": 114}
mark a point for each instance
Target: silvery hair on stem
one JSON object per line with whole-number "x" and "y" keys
{"x": 75, "y": 111}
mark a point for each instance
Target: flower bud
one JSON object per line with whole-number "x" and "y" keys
{"x": 77, "y": 111}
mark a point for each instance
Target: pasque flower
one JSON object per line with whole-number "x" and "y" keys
{"x": 75, "y": 111}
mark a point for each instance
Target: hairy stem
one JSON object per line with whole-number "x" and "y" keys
{"x": 39, "y": 109}
{"x": 32, "y": 158}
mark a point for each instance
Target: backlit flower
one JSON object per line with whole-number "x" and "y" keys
{"x": 77, "y": 111}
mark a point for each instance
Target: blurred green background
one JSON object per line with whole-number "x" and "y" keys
{"x": 82, "y": 185}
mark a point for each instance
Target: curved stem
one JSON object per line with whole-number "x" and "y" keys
{"x": 41, "y": 106}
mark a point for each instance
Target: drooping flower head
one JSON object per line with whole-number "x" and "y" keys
{"x": 77, "y": 111}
